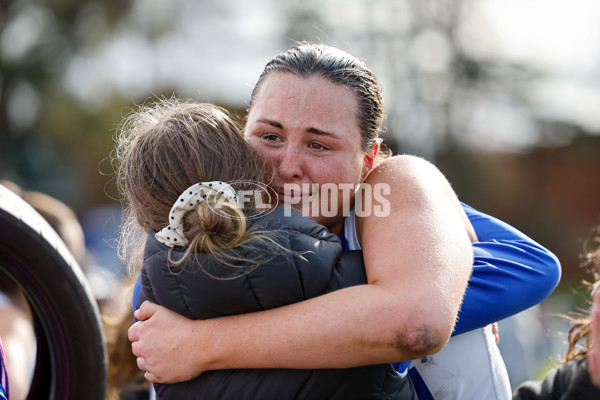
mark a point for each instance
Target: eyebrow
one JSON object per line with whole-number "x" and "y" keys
{"x": 323, "y": 133}
{"x": 274, "y": 124}
{"x": 316, "y": 131}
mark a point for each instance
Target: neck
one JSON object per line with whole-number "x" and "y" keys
{"x": 337, "y": 228}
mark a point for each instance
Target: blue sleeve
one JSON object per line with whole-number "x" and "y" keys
{"x": 511, "y": 273}
{"x": 136, "y": 292}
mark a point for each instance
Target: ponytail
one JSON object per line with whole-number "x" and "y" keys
{"x": 214, "y": 226}
{"x": 220, "y": 228}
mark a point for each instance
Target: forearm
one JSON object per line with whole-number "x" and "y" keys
{"x": 511, "y": 273}
{"x": 350, "y": 327}
{"x": 360, "y": 325}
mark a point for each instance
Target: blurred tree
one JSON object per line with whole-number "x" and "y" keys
{"x": 43, "y": 132}
{"x": 444, "y": 85}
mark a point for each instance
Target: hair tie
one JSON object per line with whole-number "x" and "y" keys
{"x": 173, "y": 235}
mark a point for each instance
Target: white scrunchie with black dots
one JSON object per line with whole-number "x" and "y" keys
{"x": 173, "y": 235}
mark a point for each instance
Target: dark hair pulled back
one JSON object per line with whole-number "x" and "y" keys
{"x": 307, "y": 60}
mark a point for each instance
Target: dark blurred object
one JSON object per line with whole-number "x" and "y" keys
{"x": 24, "y": 323}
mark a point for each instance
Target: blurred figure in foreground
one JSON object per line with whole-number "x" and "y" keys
{"x": 125, "y": 380}
{"x": 16, "y": 327}
{"x": 579, "y": 375}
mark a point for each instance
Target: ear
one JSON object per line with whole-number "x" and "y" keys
{"x": 369, "y": 160}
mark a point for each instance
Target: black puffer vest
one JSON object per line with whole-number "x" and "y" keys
{"x": 315, "y": 265}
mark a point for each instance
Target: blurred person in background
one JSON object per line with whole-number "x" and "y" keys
{"x": 594, "y": 353}
{"x": 578, "y": 377}
{"x": 125, "y": 380}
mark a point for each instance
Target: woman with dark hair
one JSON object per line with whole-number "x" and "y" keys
{"x": 315, "y": 117}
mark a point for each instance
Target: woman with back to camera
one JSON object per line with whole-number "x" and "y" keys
{"x": 315, "y": 115}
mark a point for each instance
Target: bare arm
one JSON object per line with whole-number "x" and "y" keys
{"x": 417, "y": 260}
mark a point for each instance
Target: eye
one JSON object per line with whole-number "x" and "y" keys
{"x": 317, "y": 146}
{"x": 271, "y": 137}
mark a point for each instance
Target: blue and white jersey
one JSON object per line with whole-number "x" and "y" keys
{"x": 511, "y": 273}
{"x": 468, "y": 367}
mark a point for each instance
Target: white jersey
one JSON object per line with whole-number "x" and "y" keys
{"x": 468, "y": 367}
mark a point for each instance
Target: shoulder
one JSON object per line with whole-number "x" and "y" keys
{"x": 405, "y": 169}
{"x": 155, "y": 252}
{"x": 405, "y": 160}
{"x": 153, "y": 246}
{"x": 311, "y": 243}
{"x": 293, "y": 224}
{"x": 408, "y": 187}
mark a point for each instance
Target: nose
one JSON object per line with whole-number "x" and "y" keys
{"x": 291, "y": 163}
